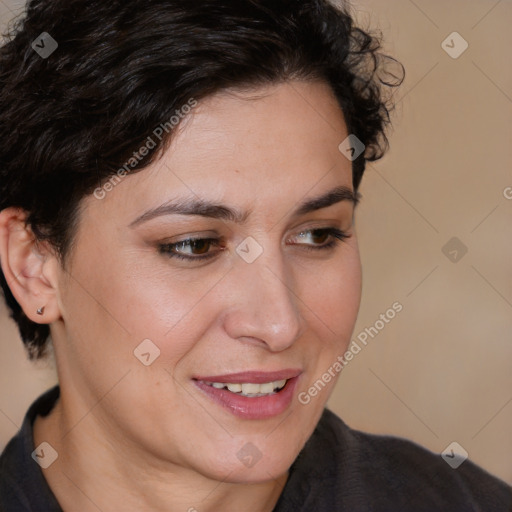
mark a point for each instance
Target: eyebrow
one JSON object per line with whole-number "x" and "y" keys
{"x": 205, "y": 208}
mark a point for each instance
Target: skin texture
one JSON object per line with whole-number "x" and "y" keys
{"x": 146, "y": 436}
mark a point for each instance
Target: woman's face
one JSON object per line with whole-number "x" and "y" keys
{"x": 265, "y": 305}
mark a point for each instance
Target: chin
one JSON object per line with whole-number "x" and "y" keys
{"x": 249, "y": 464}
{"x": 259, "y": 473}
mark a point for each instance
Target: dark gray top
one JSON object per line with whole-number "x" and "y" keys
{"x": 339, "y": 469}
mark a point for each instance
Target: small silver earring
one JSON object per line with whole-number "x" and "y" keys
{"x": 40, "y": 311}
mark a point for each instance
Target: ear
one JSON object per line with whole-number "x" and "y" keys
{"x": 30, "y": 267}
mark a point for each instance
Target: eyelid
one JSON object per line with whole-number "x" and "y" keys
{"x": 337, "y": 236}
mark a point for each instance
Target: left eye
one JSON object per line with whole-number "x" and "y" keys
{"x": 336, "y": 236}
{"x": 200, "y": 246}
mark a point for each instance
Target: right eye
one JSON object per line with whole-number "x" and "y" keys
{"x": 199, "y": 245}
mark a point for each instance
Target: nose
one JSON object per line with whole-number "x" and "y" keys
{"x": 264, "y": 306}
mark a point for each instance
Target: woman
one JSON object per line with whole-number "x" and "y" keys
{"x": 179, "y": 181}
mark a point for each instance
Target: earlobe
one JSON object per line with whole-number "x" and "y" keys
{"x": 28, "y": 268}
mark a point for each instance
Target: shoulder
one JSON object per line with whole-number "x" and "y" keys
{"x": 22, "y": 484}
{"x": 406, "y": 468}
{"x": 12, "y": 496}
{"x": 353, "y": 470}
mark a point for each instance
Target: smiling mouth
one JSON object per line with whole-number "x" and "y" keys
{"x": 250, "y": 389}
{"x": 251, "y": 395}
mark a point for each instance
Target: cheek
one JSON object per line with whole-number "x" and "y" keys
{"x": 172, "y": 307}
{"x": 332, "y": 295}
{"x": 333, "y": 305}
{"x": 112, "y": 304}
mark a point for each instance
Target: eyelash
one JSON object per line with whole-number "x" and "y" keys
{"x": 167, "y": 249}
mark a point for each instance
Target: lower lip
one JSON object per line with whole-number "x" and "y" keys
{"x": 256, "y": 408}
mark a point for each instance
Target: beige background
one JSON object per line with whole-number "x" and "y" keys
{"x": 440, "y": 371}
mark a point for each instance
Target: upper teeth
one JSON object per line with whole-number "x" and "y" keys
{"x": 250, "y": 389}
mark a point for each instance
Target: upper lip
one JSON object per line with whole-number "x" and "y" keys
{"x": 255, "y": 377}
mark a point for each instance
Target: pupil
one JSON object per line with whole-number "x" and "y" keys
{"x": 200, "y": 243}
{"x": 321, "y": 234}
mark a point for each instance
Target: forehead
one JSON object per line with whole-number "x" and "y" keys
{"x": 276, "y": 131}
{"x": 286, "y": 120}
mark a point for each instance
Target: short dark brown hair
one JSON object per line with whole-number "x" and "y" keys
{"x": 70, "y": 119}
